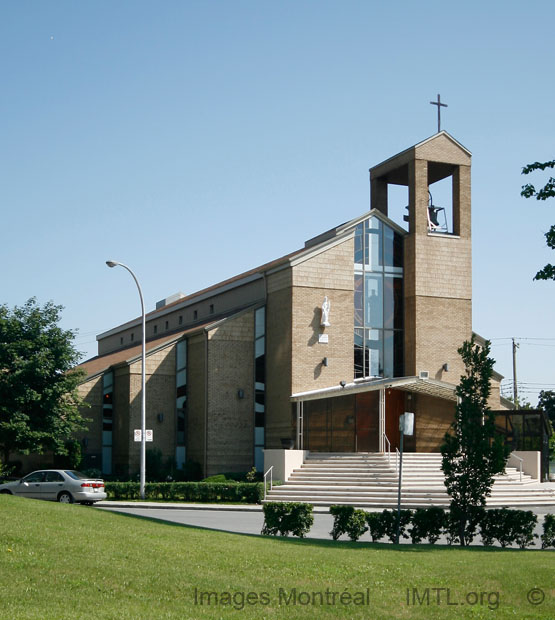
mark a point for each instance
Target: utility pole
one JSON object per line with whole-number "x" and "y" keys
{"x": 515, "y": 386}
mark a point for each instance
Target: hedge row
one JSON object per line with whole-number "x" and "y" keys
{"x": 236, "y": 492}
{"x": 284, "y": 517}
{"x": 505, "y": 526}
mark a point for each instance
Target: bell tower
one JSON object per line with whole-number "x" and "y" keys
{"x": 437, "y": 253}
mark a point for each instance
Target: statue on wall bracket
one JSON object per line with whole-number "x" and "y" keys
{"x": 325, "y": 320}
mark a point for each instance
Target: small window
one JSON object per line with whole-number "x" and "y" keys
{"x": 37, "y": 476}
{"x": 156, "y": 329}
{"x": 53, "y": 476}
{"x": 167, "y": 324}
{"x": 121, "y": 340}
{"x": 181, "y": 319}
{"x": 195, "y": 315}
{"x": 211, "y": 308}
{"x": 132, "y": 336}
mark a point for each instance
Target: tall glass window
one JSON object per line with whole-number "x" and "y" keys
{"x": 107, "y": 420}
{"x": 181, "y": 402}
{"x": 259, "y": 386}
{"x": 378, "y": 300}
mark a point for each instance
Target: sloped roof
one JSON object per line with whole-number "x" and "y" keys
{"x": 100, "y": 363}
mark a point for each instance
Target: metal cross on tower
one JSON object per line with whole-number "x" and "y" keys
{"x": 439, "y": 106}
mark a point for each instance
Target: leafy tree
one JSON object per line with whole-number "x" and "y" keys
{"x": 39, "y": 403}
{"x": 547, "y": 191}
{"x": 546, "y": 401}
{"x": 472, "y": 452}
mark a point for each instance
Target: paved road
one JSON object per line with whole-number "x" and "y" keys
{"x": 250, "y": 521}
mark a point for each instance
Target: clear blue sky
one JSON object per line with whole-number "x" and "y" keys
{"x": 194, "y": 140}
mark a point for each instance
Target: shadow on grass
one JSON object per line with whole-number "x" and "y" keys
{"x": 327, "y": 544}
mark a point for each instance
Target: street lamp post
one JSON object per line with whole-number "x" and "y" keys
{"x": 112, "y": 263}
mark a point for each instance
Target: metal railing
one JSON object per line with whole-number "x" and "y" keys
{"x": 388, "y": 448}
{"x": 520, "y": 461}
{"x": 396, "y": 460}
{"x": 271, "y": 480}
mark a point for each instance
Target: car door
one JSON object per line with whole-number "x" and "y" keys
{"x": 52, "y": 485}
{"x": 30, "y": 486}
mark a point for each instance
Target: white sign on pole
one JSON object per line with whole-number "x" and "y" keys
{"x": 406, "y": 423}
{"x": 149, "y": 435}
{"x": 137, "y": 434}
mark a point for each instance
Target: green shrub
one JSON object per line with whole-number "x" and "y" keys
{"x": 216, "y": 478}
{"x": 348, "y": 520}
{"x": 207, "y": 492}
{"x": 465, "y": 521}
{"x": 376, "y": 525}
{"x": 508, "y": 527}
{"x": 548, "y": 536}
{"x": 490, "y": 527}
{"x": 384, "y": 523}
{"x": 285, "y": 517}
{"x": 427, "y": 523}
{"x": 523, "y": 523}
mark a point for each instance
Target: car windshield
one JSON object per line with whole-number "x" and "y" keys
{"x": 77, "y": 475}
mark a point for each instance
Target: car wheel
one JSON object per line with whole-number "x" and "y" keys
{"x": 65, "y": 498}
{"x": 5, "y": 492}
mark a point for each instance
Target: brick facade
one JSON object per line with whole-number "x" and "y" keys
{"x": 218, "y": 324}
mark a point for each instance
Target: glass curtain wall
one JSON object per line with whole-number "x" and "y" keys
{"x": 181, "y": 402}
{"x": 259, "y": 386}
{"x": 107, "y": 420}
{"x": 378, "y": 300}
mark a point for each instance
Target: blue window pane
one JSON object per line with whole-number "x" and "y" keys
{"x": 359, "y": 302}
{"x": 374, "y": 353}
{"x": 358, "y": 244}
{"x": 374, "y": 301}
{"x": 181, "y": 354}
{"x": 373, "y": 250}
{"x": 259, "y": 322}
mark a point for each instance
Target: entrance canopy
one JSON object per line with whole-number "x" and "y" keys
{"x": 431, "y": 387}
{"x": 363, "y": 416}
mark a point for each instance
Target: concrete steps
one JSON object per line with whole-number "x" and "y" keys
{"x": 371, "y": 480}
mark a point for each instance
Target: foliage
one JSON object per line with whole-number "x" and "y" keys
{"x": 384, "y": 523}
{"x": 376, "y": 525}
{"x": 249, "y": 476}
{"x": 472, "y": 452}
{"x": 546, "y": 401}
{"x": 73, "y": 457}
{"x": 252, "y": 475}
{"x": 460, "y": 527}
{"x": 547, "y": 191}
{"x": 548, "y": 536}
{"x": 39, "y": 403}
{"x": 508, "y": 527}
{"x": 208, "y": 492}
{"x": 348, "y": 520}
{"x": 285, "y": 517}
{"x": 427, "y": 523}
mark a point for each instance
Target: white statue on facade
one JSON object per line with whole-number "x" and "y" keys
{"x": 325, "y": 321}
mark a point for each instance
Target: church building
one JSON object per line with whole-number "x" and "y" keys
{"x": 319, "y": 350}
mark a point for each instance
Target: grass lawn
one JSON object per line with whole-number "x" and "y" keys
{"x": 68, "y": 561}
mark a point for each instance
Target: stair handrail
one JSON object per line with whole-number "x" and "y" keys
{"x": 388, "y": 448}
{"x": 271, "y": 480}
{"x": 396, "y": 460}
{"x": 514, "y": 456}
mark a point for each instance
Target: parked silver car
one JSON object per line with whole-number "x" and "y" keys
{"x": 61, "y": 485}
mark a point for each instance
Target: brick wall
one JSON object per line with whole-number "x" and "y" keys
{"x": 231, "y": 419}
